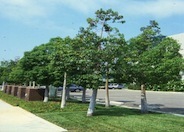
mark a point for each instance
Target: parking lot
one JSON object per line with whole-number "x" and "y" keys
{"x": 172, "y": 102}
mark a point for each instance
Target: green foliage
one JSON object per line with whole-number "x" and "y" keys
{"x": 63, "y": 60}
{"x": 154, "y": 60}
{"x": 149, "y": 58}
{"x": 110, "y": 43}
{"x": 134, "y": 87}
{"x": 176, "y": 86}
{"x": 41, "y": 107}
{"x": 35, "y": 65}
{"x": 17, "y": 75}
{"x": 88, "y": 59}
{"x": 162, "y": 64}
{"x": 105, "y": 18}
{"x": 6, "y": 68}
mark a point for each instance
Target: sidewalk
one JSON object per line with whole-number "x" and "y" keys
{"x": 16, "y": 119}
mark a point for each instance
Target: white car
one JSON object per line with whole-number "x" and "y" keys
{"x": 115, "y": 86}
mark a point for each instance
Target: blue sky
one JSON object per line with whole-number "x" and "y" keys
{"x": 29, "y": 23}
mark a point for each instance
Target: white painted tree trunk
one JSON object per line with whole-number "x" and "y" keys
{"x": 92, "y": 103}
{"x": 67, "y": 93}
{"x": 84, "y": 95}
{"x": 3, "y": 85}
{"x": 63, "y": 100}
{"x": 46, "y": 95}
{"x": 107, "y": 101}
{"x": 144, "y": 108}
{"x": 29, "y": 83}
{"x": 33, "y": 84}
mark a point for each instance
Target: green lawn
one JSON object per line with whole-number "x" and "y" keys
{"x": 113, "y": 119}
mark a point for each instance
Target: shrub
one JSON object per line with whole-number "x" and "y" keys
{"x": 177, "y": 86}
{"x": 134, "y": 87}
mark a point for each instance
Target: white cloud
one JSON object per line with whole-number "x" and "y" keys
{"x": 41, "y": 12}
{"x": 31, "y": 9}
{"x": 21, "y": 9}
{"x": 84, "y": 6}
{"x": 156, "y": 8}
{"x": 33, "y": 12}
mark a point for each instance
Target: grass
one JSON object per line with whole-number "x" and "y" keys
{"x": 114, "y": 119}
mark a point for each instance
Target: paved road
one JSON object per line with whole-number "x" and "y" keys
{"x": 161, "y": 101}
{"x": 16, "y": 119}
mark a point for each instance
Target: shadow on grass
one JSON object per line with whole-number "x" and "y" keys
{"x": 118, "y": 111}
{"x": 72, "y": 105}
{"x": 100, "y": 109}
{"x": 171, "y": 110}
{"x": 58, "y": 99}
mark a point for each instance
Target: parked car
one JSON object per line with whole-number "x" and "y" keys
{"x": 115, "y": 86}
{"x": 101, "y": 87}
{"x": 60, "y": 88}
{"x": 72, "y": 87}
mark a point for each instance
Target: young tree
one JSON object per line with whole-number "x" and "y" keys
{"x": 88, "y": 63}
{"x": 63, "y": 63}
{"x": 107, "y": 44}
{"x": 163, "y": 63}
{"x": 155, "y": 59}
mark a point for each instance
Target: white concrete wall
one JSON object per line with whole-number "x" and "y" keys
{"x": 180, "y": 39}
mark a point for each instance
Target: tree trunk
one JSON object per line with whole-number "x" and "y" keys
{"x": 33, "y": 84}
{"x": 144, "y": 108}
{"x": 107, "y": 101}
{"x": 92, "y": 103}
{"x": 63, "y": 100}
{"x": 46, "y": 95}
{"x": 84, "y": 95}
{"x": 29, "y": 83}
{"x": 67, "y": 93}
{"x": 3, "y": 85}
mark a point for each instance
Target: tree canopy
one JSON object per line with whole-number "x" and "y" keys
{"x": 150, "y": 57}
{"x": 154, "y": 58}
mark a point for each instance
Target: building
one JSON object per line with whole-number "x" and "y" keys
{"x": 180, "y": 39}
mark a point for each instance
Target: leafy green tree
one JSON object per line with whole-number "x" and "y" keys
{"x": 107, "y": 45}
{"x": 154, "y": 59}
{"x": 64, "y": 63}
{"x": 89, "y": 58}
{"x": 89, "y": 63}
{"x": 6, "y": 68}
{"x": 163, "y": 63}
{"x": 17, "y": 75}
{"x": 35, "y": 65}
